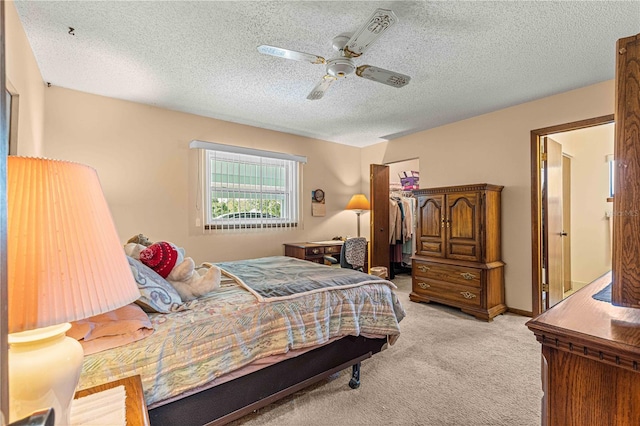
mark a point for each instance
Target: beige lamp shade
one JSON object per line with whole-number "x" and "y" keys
{"x": 64, "y": 258}
{"x": 358, "y": 202}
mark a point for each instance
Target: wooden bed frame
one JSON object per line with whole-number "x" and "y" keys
{"x": 233, "y": 399}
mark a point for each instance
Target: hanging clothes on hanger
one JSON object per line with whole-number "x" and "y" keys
{"x": 402, "y": 207}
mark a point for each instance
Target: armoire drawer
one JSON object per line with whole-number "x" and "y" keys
{"x": 448, "y": 273}
{"x": 450, "y": 292}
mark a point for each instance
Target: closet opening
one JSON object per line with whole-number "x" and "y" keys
{"x": 393, "y": 208}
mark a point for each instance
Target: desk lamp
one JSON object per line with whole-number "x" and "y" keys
{"x": 359, "y": 204}
{"x": 64, "y": 263}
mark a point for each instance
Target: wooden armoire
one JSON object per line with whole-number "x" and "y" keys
{"x": 458, "y": 255}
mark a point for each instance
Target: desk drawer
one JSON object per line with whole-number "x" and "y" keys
{"x": 333, "y": 249}
{"x": 314, "y": 251}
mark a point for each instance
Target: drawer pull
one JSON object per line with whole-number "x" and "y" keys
{"x": 423, "y": 268}
{"x": 316, "y": 251}
{"x": 467, "y": 276}
{"x": 423, "y": 285}
{"x": 467, "y": 295}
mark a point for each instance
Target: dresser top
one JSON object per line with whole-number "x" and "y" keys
{"x": 582, "y": 320}
{"x": 315, "y": 244}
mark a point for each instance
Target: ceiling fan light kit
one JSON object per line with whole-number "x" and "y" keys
{"x": 348, "y": 47}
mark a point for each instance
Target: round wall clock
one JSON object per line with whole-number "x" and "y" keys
{"x": 318, "y": 195}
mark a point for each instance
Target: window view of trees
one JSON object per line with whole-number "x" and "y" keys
{"x": 231, "y": 208}
{"x": 247, "y": 188}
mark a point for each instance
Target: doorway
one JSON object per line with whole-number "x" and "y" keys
{"x": 566, "y": 246}
{"x": 385, "y": 185}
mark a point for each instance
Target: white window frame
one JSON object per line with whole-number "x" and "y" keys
{"x": 246, "y": 175}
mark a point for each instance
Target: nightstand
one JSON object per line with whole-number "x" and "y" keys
{"x": 136, "y": 408}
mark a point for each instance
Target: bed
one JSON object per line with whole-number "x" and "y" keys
{"x": 276, "y": 325}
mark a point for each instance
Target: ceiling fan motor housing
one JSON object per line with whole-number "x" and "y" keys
{"x": 340, "y": 67}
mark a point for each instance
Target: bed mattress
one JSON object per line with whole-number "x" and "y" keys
{"x": 230, "y": 329}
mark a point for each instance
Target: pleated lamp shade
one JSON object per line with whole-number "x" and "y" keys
{"x": 64, "y": 258}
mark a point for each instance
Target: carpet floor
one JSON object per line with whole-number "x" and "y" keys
{"x": 447, "y": 368}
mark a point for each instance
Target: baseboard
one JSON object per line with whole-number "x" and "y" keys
{"x": 520, "y": 312}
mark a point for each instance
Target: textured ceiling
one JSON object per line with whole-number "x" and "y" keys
{"x": 465, "y": 58}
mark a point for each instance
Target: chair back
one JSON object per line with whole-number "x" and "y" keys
{"x": 353, "y": 253}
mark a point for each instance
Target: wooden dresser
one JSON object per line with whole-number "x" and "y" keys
{"x": 457, "y": 260}
{"x": 590, "y": 361}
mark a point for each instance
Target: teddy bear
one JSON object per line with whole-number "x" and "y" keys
{"x": 140, "y": 239}
{"x": 169, "y": 262}
{"x": 133, "y": 250}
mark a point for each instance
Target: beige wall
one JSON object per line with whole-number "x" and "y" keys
{"x": 590, "y": 227}
{"x": 495, "y": 148}
{"x": 24, "y": 78}
{"x": 149, "y": 175}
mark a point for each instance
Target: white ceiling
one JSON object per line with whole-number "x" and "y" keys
{"x": 465, "y": 58}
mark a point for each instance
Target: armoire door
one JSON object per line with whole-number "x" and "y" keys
{"x": 431, "y": 226}
{"x": 462, "y": 226}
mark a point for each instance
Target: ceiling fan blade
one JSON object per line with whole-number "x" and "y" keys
{"x": 290, "y": 54}
{"x": 378, "y": 23}
{"x": 380, "y": 75}
{"x": 323, "y": 86}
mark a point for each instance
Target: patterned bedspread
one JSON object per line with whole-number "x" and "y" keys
{"x": 281, "y": 277}
{"x": 229, "y": 329}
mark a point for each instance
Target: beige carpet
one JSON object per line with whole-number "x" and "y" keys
{"x": 447, "y": 368}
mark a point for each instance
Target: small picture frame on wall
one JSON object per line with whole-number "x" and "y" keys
{"x": 318, "y": 207}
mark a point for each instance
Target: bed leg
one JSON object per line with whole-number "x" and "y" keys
{"x": 354, "y": 383}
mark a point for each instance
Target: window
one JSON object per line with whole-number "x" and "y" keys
{"x": 248, "y": 188}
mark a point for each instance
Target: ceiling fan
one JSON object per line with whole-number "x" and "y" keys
{"x": 348, "y": 47}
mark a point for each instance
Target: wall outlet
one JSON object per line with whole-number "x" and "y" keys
{"x": 197, "y": 221}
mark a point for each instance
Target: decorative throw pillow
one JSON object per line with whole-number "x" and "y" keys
{"x": 156, "y": 293}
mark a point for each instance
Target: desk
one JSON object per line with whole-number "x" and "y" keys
{"x": 136, "y": 408}
{"x": 590, "y": 361}
{"x": 315, "y": 251}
